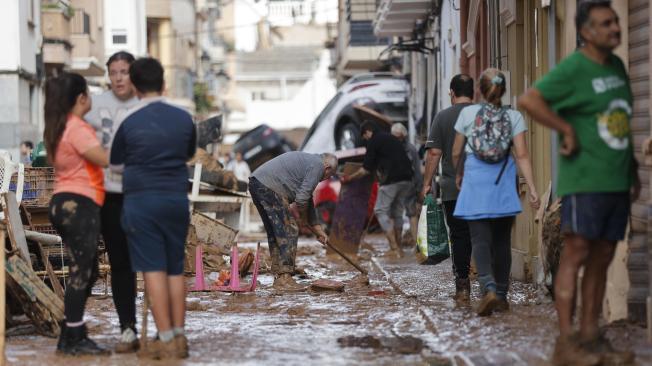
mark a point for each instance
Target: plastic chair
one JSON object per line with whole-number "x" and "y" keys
{"x": 7, "y": 169}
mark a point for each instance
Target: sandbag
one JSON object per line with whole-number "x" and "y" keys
{"x": 432, "y": 235}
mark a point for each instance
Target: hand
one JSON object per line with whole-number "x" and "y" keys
{"x": 322, "y": 238}
{"x": 345, "y": 179}
{"x": 458, "y": 181}
{"x": 424, "y": 192}
{"x": 635, "y": 191}
{"x": 569, "y": 145}
{"x": 533, "y": 197}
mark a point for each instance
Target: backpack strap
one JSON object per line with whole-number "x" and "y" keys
{"x": 502, "y": 168}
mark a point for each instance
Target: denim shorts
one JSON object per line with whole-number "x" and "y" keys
{"x": 596, "y": 216}
{"x": 156, "y": 225}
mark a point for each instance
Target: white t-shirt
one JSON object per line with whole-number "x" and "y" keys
{"x": 464, "y": 124}
{"x": 106, "y": 115}
{"x": 240, "y": 170}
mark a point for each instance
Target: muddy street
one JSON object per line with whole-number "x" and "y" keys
{"x": 404, "y": 316}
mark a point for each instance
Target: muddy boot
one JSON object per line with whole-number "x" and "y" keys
{"x": 394, "y": 249}
{"x": 462, "y": 292}
{"x": 128, "y": 342}
{"x": 610, "y": 356}
{"x": 569, "y": 352}
{"x": 156, "y": 349}
{"x": 487, "y": 304}
{"x": 181, "y": 345}
{"x": 75, "y": 342}
{"x": 285, "y": 282}
{"x": 502, "y": 306}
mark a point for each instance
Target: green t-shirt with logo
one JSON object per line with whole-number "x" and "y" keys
{"x": 597, "y": 101}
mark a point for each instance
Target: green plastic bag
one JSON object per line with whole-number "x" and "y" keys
{"x": 432, "y": 235}
{"x": 40, "y": 156}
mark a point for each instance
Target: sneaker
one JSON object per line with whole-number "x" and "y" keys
{"x": 462, "y": 292}
{"x": 610, "y": 356}
{"x": 569, "y": 352}
{"x": 502, "y": 306}
{"x": 181, "y": 345}
{"x": 155, "y": 349}
{"x": 487, "y": 304}
{"x": 75, "y": 342}
{"x": 285, "y": 282}
{"x": 128, "y": 342}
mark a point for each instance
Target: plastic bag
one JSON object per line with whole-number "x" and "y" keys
{"x": 432, "y": 235}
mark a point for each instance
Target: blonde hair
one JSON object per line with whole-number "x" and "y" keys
{"x": 493, "y": 85}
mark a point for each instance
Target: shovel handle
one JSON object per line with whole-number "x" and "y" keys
{"x": 346, "y": 257}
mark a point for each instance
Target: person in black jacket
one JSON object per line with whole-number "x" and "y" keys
{"x": 387, "y": 157}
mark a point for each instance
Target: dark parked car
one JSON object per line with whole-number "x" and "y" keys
{"x": 261, "y": 144}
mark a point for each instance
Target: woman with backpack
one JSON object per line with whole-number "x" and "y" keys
{"x": 488, "y": 133}
{"x": 77, "y": 157}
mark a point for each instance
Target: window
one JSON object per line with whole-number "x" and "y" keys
{"x": 260, "y": 95}
{"x": 119, "y": 37}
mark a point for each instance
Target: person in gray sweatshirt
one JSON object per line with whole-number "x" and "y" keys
{"x": 289, "y": 178}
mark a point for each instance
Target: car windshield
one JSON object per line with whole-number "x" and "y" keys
{"x": 321, "y": 116}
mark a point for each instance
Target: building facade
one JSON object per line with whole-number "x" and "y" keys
{"x": 172, "y": 38}
{"x": 125, "y": 27}
{"x": 21, "y": 74}
{"x": 525, "y": 39}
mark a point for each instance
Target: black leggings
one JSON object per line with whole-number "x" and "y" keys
{"x": 123, "y": 279}
{"x": 77, "y": 219}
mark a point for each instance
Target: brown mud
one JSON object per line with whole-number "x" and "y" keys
{"x": 405, "y": 316}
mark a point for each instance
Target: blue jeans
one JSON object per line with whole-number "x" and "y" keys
{"x": 492, "y": 250}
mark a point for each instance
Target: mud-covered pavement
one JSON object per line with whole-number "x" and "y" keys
{"x": 404, "y": 317}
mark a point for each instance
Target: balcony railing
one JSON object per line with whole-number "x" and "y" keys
{"x": 362, "y": 34}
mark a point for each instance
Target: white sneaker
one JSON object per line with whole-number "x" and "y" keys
{"x": 128, "y": 342}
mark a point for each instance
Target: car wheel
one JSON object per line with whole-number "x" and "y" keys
{"x": 348, "y": 137}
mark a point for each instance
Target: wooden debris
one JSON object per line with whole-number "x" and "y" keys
{"x": 15, "y": 226}
{"x": 327, "y": 285}
{"x": 40, "y": 304}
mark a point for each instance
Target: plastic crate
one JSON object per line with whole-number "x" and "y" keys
{"x": 38, "y": 186}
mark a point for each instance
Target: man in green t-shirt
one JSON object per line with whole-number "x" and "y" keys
{"x": 588, "y": 100}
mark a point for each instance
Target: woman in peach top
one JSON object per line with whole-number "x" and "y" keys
{"x": 78, "y": 158}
